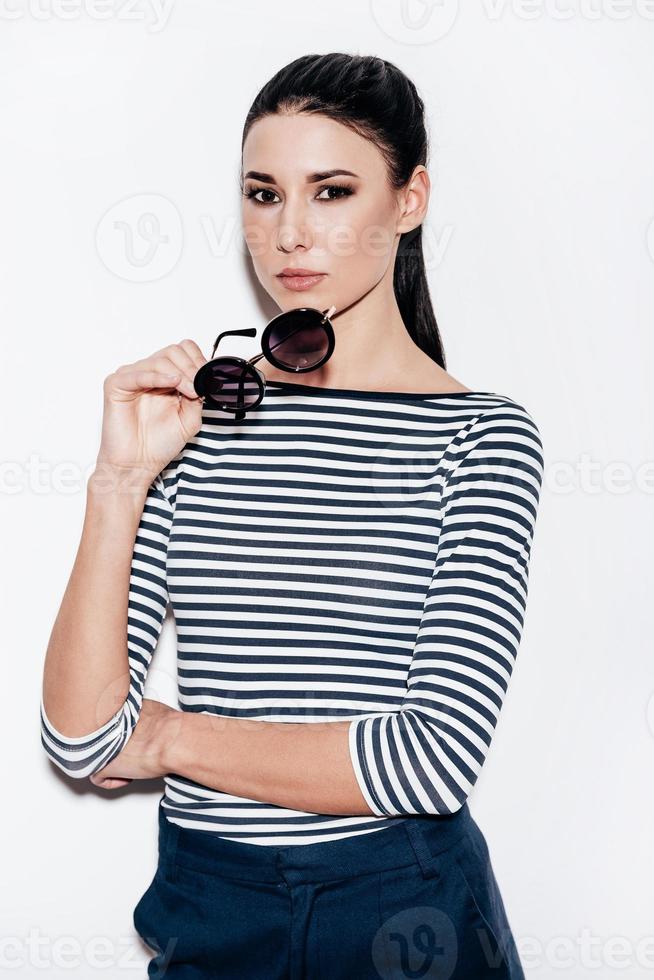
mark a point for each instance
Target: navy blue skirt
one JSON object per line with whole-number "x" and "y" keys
{"x": 418, "y": 899}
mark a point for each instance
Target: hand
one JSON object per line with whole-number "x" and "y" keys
{"x": 144, "y": 753}
{"x": 151, "y": 410}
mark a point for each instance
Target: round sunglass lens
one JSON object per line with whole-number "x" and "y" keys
{"x": 298, "y": 339}
{"x": 232, "y": 386}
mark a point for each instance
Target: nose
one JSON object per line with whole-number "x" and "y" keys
{"x": 292, "y": 236}
{"x": 293, "y": 230}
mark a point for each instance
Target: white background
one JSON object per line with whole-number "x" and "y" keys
{"x": 540, "y": 249}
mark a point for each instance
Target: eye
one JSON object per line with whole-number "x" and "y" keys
{"x": 341, "y": 190}
{"x": 251, "y": 193}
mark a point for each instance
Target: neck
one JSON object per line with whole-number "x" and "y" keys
{"x": 373, "y": 346}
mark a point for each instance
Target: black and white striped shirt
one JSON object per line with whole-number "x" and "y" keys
{"x": 337, "y": 554}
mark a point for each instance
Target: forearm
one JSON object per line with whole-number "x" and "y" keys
{"x": 302, "y": 766}
{"x": 86, "y": 673}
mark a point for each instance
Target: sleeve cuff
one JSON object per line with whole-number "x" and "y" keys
{"x": 82, "y": 739}
{"x": 356, "y": 739}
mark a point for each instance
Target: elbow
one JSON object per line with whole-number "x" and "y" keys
{"x": 83, "y": 756}
{"x": 73, "y": 767}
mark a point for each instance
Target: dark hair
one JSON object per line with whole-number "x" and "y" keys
{"x": 377, "y": 100}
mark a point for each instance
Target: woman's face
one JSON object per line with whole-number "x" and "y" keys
{"x": 294, "y": 215}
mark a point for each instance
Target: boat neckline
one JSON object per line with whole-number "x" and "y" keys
{"x": 361, "y": 392}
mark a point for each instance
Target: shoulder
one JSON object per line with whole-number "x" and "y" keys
{"x": 503, "y": 414}
{"x": 503, "y": 438}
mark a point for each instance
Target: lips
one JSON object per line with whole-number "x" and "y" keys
{"x": 289, "y": 271}
{"x": 297, "y": 279}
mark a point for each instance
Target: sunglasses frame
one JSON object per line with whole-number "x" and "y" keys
{"x": 248, "y": 366}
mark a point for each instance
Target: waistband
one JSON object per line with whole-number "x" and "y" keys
{"x": 414, "y": 838}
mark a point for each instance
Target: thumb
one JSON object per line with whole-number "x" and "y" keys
{"x": 190, "y": 413}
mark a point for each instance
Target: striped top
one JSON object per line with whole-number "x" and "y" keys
{"x": 337, "y": 554}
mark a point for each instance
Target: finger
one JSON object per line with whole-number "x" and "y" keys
{"x": 132, "y": 382}
{"x": 170, "y": 376}
{"x": 188, "y": 346}
{"x": 108, "y": 782}
{"x": 190, "y": 415}
{"x": 187, "y": 356}
{"x": 178, "y": 360}
{"x": 193, "y": 352}
{"x": 183, "y": 356}
{"x": 114, "y": 783}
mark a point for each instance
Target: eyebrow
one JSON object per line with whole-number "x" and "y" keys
{"x": 311, "y": 178}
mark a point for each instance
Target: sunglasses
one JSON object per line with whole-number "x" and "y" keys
{"x": 299, "y": 340}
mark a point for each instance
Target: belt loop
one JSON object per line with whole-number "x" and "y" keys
{"x": 429, "y": 864}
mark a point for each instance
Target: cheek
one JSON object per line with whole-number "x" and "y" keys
{"x": 362, "y": 237}
{"x": 360, "y": 248}
{"x": 258, "y": 230}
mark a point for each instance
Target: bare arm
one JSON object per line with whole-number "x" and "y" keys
{"x": 86, "y": 676}
{"x": 298, "y": 765}
{"x": 94, "y": 667}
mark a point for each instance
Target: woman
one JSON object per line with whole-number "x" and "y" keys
{"x": 347, "y": 566}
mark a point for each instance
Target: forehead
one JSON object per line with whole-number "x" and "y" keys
{"x": 291, "y": 146}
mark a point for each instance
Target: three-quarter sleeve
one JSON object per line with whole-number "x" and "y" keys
{"x": 148, "y": 599}
{"x": 425, "y": 756}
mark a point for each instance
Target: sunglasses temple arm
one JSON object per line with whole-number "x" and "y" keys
{"x": 248, "y": 332}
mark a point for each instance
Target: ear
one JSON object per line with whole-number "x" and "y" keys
{"x": 414, "y": 200}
